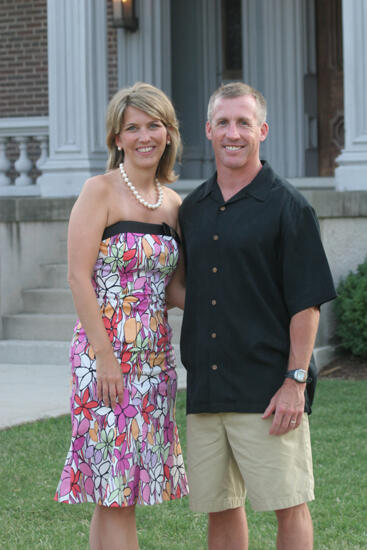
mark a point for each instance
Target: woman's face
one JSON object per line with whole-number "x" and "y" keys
{"x": 142, "y": 138}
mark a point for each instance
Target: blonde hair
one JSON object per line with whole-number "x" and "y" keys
{"x": 238, "y": 89}
{"x": 155, "y": 103}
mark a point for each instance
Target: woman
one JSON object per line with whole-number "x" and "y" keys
{"x": 122, "y": 251}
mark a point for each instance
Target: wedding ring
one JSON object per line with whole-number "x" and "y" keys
{"x": 293, "y": 421}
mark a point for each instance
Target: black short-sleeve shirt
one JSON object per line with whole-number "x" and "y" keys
{"x": 252, "y": 262}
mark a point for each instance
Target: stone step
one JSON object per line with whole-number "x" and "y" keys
{"x": 39, "y": 326}
{"x": 51, "y": 326}
{"x": 62, "y": 248}
{"x": 48, "y": 300}
{"x": 34, "y": 352}
{"x": 49, "y": 395}
{"x": 43, "y": 352}
{"x": 54, "y": 276}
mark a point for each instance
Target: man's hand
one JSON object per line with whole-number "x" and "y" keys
{"x": 288, "y": 407}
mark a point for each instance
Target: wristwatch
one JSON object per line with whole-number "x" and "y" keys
{"x": 299, "y": 375}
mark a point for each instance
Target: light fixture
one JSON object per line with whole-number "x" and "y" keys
{"x": 124, "y": 15}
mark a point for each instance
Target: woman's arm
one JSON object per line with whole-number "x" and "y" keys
{"x": 176, "y": 289}
{"x": 87, "y": 222}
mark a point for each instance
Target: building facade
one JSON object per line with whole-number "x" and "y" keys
{"x": 60, "y": 62}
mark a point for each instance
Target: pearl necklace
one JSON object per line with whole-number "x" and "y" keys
{"x": 136, "y": 193}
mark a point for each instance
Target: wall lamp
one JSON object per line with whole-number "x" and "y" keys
{"x": 124, "y": 15}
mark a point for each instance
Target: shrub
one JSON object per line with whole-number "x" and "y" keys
{"x": 351, "y": 311}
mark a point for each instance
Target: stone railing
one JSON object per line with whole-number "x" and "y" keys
{"x": 23, "y": 151}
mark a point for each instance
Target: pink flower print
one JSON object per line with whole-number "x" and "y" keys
{"x": 86, "y": 470}
{"x": 127, "y": 272}
{"x": 124, "y": 410}
{"x": 84, "y": 404}
{"x": 80, "y": 428}
{"x": 123, "y": 463}
{"x": 143, "y": 304}
{"x": 162, "y": 386}
{"x": 65, "y": 481}
{"x": 139, "y": 283}
{"x": 130, "y": 239}
{"x": 168, "y": 430}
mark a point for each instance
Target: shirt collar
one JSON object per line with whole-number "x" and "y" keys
{"x": 258, "y": 188}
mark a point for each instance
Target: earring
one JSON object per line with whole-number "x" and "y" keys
{"x": 168, "y": 143}
{"x": 119, "y": 148}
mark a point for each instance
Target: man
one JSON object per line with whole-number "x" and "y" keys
{"x": 256, "y": 274}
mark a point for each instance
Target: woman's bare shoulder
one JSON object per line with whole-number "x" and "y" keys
{"x": 173, "y": 197}
{"x": 98, "y": 185}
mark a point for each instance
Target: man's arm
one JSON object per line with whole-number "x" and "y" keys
{"x": 289, "y": 401}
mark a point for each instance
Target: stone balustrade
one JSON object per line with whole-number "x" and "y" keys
{"x": 23, "y": 151}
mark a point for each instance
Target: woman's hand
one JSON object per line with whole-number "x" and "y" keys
{"x": 110, "y": 385}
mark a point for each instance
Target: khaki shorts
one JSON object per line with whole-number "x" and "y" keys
{"x": 231, "y": 454}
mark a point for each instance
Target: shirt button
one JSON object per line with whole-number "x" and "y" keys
{"x": 222, "y": 208}
{"x": 214, "y": 302}
{"x": 213, "y": 335}
{"x": 215, "y": 237}
{"x": 214, "y": 269}
{"x": 214, "y": 367}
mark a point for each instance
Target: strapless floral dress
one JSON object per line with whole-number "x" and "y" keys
{"x": 132, "y": 454}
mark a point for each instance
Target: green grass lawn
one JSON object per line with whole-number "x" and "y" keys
{"x": 32, "y": 456}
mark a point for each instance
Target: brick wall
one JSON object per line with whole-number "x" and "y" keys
{"x": 23, "y": 58}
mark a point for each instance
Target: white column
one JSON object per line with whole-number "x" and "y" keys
{"x": 275, "y": 61}
{"x": 351, "y": 173}
{"x": 77, "y": 69}
{"x": 144, "y": 55}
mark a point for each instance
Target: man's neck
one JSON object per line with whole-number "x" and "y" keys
{"x": 231, "y": 181}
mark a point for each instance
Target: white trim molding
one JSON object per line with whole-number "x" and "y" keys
{"x": 351, "y": 173}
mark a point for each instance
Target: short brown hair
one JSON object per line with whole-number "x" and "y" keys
{"x": 155, "y": 103}
{"x": 238, "y": 89}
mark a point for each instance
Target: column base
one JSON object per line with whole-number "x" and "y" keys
{"x": 57, "y": 180}
{"x": 351, "y": 174}
{"x": 351, "y": 178}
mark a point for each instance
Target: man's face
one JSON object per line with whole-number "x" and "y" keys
{"x": 235, "y": 132}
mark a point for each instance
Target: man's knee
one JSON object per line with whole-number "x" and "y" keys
{"x": 299, "y": 512}
{"x": 227, "y": 515}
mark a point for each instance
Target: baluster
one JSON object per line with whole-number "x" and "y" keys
{"x": 43, "y": 140}
{"x": 23, "y": 164}
{"x": 4, "y": 162}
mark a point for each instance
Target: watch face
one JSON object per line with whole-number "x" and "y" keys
{"x": 300, "y": 375}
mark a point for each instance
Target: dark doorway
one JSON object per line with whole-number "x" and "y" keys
{"x": 330, "y": 83}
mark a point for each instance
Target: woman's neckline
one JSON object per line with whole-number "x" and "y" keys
{"x": 133, "y": 226}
